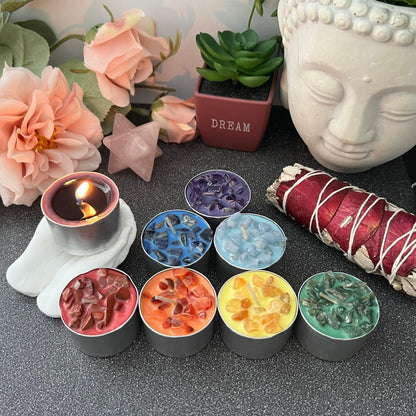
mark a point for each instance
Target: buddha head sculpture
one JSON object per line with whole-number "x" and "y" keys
{"x": 350, "y": 79}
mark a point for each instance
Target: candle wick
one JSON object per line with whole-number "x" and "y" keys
{"x": 252, "y": 293}
{"x": 245, "y": 234}
{"x": 164, "y": 299}
{"x": 325, "y": 296}
{"x": 170, "y": 225}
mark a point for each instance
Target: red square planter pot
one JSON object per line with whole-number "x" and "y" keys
{"x": 232, "y": 123}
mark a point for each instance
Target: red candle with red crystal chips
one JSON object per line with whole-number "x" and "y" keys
{"x": 100, "y": 310}
{"x": 178, "y": 306}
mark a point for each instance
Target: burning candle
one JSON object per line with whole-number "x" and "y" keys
{"x": 217, "y": 194}
{"x": 257, "y": 310}
{"x": 82, "y": 210}
{"x": 337, "y": 314}
{"x": 99, "y": 308}
{"x": 247, "y": 242}
{"x": 178, "y": 307}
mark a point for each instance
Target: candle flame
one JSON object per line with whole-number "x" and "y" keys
{"x": 87, "y": 210}
{"x": 82, "y": 190}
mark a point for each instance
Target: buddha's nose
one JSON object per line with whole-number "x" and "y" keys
{"x": 352, "y": 123}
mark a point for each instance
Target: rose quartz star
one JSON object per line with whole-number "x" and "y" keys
{"x": 133, "y": 147}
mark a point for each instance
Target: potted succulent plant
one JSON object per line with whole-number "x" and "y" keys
{"x": 236, "y": 85}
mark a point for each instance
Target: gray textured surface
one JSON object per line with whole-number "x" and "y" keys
{"x": 43, "y": 374}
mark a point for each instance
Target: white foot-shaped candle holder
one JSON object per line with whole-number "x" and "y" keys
{"x": 45, "y": 268}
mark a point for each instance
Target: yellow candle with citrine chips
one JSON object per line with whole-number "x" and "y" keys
{"x": 257, "y": 304}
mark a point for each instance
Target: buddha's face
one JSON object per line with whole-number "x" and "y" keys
{"x": 351, "y": 99}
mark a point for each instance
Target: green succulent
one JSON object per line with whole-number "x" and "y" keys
{"x": 240, "y": 57}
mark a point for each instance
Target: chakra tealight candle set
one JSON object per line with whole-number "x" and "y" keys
{"x": 332, "y": 315}
{"x": 178, "y": 303}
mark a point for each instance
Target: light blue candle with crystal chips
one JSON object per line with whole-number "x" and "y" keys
{"x": 249, "y": 241}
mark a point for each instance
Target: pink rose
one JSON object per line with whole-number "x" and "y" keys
{"x": 45, "y": 132}
{"x": 176, "y": 118}
{"x": 121, "y": 55}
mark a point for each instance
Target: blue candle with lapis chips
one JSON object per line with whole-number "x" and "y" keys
{"x": 177, "y": 238}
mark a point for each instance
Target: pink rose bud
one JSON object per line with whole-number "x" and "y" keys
{"x": 121, "y": 55}
{"x": 176, "y": 118}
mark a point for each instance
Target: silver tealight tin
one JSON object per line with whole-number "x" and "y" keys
{"x": 226, "y": 266}
{"x": 255, "y": 346}
{"x": 216, "y": 194}
{"x": 172, "y": 345}
{"x": 85, "y": 236}
{"x": 324, "y": 346}
{"x": 191, "y": 257}
{"x": 111, "y": 342}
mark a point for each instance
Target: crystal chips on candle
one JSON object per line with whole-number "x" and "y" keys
{"x": 217, "y": 194}
{"x": 337, "y": 313}
{"x": 176, "y": 238}
{"x": 249, "y": 241}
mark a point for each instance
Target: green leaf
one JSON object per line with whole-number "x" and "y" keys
{"x": 228, "y": 42}
{"x": 258, "y": 4}
{"x": 266, "y": 68}
{"x": 266, "y": 47}
{"x": 92, "y": 33}
{"x": 27, "y": 48}
{"x": 211, "y": 74}
{"x": 75, "y": 71}
{"x": 6, "y": 55}
{"x": 263, "y": 55}
{"x": 207, "y": 43}
{"x": 210, "y": 63}
{"x": 252, "y": 82}
{"x": 249, "y": 39}
{"x": 406, "y": 3}
{"x": 41, "y": 28}
{"x": 13, "y": 5}
{"x": 209, "y": 58}
{"x": 108, "y": 123}
{"x": 248, "y": 63}
{"x": 226, "y": 71}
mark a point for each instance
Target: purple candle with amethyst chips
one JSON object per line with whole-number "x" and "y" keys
{"x": 217, "y": 194}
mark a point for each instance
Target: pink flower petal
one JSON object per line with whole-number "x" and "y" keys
{"x": 117, "y": 95}
{"x": 46, "y": 131}
{"x": 110, "y": 30}
{"x": 177, "y": 118}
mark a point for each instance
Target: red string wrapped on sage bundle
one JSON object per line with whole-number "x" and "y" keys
{"x": 373, "y": 233}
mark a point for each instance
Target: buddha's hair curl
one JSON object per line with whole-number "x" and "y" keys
{"x": 383, "y": 22}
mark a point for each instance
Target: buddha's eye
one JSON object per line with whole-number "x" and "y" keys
{"x": 323, "y": 87}
{"x": 399, "y": 106}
